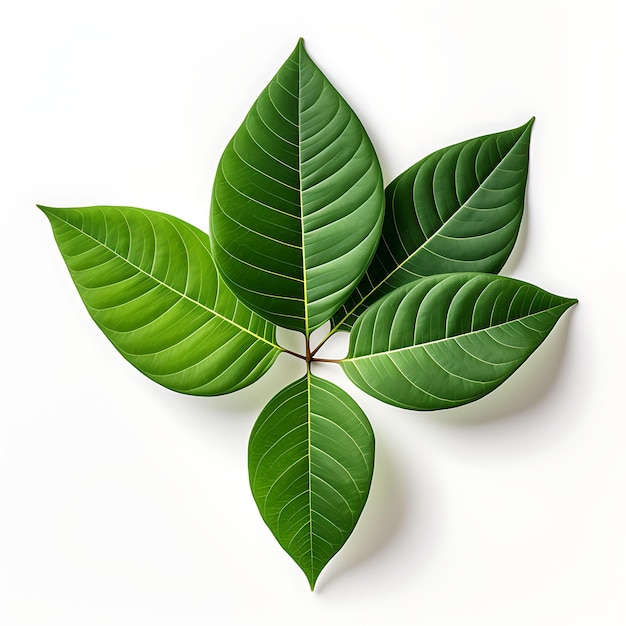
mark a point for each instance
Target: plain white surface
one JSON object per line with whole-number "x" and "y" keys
{"x": 122, "y": 503}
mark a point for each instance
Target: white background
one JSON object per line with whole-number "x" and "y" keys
{"x": 123, "y": 503}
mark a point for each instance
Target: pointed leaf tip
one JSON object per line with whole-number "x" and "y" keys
{"x": 46, "y": 210}
{"x": 299, "y": 49}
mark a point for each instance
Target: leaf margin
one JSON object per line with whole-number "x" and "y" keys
{"x": 256, "y": 457}
{"x": 405, "y": 291}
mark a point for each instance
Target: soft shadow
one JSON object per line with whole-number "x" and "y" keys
{"x": 525, "y": 388}
{"x": 383, "y": 517}
{"x": 242, "y": 406}
{"x": 208, "y": 416}
{"x": 518, "y": 249}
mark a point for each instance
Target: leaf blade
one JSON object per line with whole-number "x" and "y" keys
{"x": 297, "y": 201}
{"x": 447, "y": 340}
{"x": 311, "y": 456}
{"x": 457, "y": 210}
{"x": 149, "y": 282}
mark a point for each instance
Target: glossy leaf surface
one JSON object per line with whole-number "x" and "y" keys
{"x": 298, "y": 200}
{"x": 311, "y": 457}
{"x": 149, "y": 282}
{"x": 447, "y": 340}
{"x": 457, "y": 210}
{"x": 302, "y": 232}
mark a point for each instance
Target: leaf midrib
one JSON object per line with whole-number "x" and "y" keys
{"x": 308, "y": 417}
{"x": 172, "y": 289}
{"x": 566, "y": 304}
{"x": 304, "y": 292}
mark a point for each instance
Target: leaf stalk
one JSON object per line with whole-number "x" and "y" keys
{"x": 309, "y": 355}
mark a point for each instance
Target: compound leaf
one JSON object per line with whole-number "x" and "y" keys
{"x": 311, "y": 457}
{"x": 149, "y": 282}
{"x": 298, "y": 200}
{"x": 457, "y": 210}
{"x": 447, "y": 340}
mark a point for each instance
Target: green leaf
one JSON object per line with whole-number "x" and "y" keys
{"x": 149, "y": 282}
{"x": 298, "y": 200}
{"x": 447, "y": 340}
{"x": 457, "y": 210}
{"x": 311, "y": 457}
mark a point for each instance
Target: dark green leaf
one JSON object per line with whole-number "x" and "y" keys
{"x": 149, "y": 282}
{"x": 298, "y": 200}
{"x": 447, "y": 340}
{"x": 311, "y": 457}
{"x": 457, "y": 210}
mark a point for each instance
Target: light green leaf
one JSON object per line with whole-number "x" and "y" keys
{"x": 298, "y": 200}
{"x": 447, "y": 340}
{"x": 149, "y": 282}
{"x": 457, "y": 210}
{"x": 311, "y": 457}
